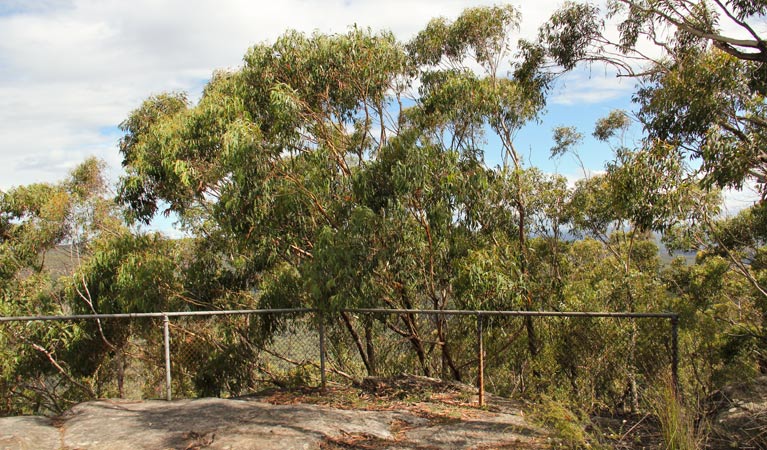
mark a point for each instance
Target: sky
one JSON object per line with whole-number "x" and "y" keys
{"x": 72, "y": 70}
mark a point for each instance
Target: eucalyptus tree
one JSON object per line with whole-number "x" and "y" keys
{"x": 643, "y": 192}
{"x": 320, "y": 177}
{"x": 701, "y": 68}
{"x": 702, "y": 72}
{"x": 45, "y": 232}
{"x": 458, "y": 104}
{"x": 263, "y": 166}
{"x": 726, "y": 287}
{"x": 36, "y": 219}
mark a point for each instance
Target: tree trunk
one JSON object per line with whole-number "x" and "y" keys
{"x": 370, "y": 347}
{"x": 417, "y": 343}
{"x": 532, "y": 340}
{"x": 120, "y": 360}
{"x": 632, "y": 368}
{"x": 447, "y": 360}
{"x": 357, "y": 342}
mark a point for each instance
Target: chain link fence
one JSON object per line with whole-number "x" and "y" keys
{"x": 602, "y": 359}
{"x": 596, "y": 359}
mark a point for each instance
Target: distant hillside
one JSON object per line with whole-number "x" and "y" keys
{"x": 61, "y": 260}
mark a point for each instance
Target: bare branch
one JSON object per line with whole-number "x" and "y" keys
{"x": 59, "y": 368}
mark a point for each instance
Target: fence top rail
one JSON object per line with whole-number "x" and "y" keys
{"x": 452, "y": 312}
{"x": 154, "y": 314}
{"x": 462, "y": 312}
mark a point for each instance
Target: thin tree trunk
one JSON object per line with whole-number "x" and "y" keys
{"x": 120, "y": 360}
{"x": 632, "y": 368}
{"x": 762, "y": 356}
{"x": 370, "y": 347}
{"x": 357, "y": 341}
{"x": 416, "y": 342}
{"x": 447, "y": 360}
{"x": 532, "y": 340}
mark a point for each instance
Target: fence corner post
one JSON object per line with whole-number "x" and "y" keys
{"x": 323, "y": 376}
{"x": 166, "y": 336}
{"x": 481, "y": 361}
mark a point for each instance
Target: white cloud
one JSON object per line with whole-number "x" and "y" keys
{"x": 735, "y": 201}
{"x": 70, "y": 69}
{"x": 573, "y": 178}
{"x": 584, "y": 86}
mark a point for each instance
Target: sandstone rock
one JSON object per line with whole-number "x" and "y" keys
{"x": 17, "y": 433}
{"x": 251, "y": 424}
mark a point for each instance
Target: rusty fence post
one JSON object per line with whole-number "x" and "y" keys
{"x": 481, "y": 359}
{"x": 166, "y": 336}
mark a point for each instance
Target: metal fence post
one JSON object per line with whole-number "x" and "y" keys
{"x": 675, "y": 352}
{"x": 481, "y": 359}
{"x": 166, "y": 336}
{"x": 323, "y": 377}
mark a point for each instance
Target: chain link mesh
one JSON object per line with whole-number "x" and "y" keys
{"x": 233, "y": 355}
{"x": 595, "y": 361}
{"x": 600, "y": 362}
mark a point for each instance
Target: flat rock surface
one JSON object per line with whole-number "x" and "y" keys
{"x": 257, "y": 424}
{"x": 28, "y": 433}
